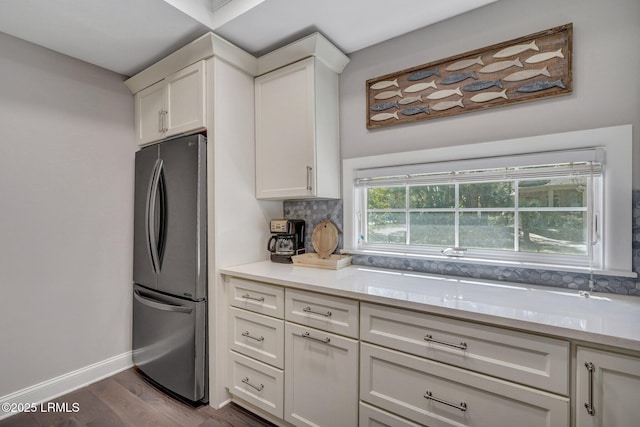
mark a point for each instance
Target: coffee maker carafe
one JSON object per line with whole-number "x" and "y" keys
{"x": 287, "y": 239}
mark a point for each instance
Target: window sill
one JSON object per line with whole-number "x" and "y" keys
{"x": 493, "y": 263}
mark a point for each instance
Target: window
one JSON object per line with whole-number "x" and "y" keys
{"x": 558, "y": 207}
{"x": 536, "y": 212}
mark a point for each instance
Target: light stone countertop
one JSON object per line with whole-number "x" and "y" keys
{"x": 606, "y": 319}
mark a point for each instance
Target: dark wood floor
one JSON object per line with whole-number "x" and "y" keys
{"x": 126, "y": 399}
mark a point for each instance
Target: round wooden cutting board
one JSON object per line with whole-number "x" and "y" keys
{"x": 325, "y": 239}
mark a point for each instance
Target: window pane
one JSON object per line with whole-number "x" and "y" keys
{"x": 386, "y": 227}
{"x": 491, "y": 230}
{"x": 487, "y": 195}
{"x": 432, "y": 228}
{"x": 553, "y": 232}
{"x": 386, "y": 198}
{"x": 556, "y": 192}
{"x": 432, "y": 196}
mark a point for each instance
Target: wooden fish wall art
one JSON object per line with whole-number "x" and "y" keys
{"x": 532, "y": 67}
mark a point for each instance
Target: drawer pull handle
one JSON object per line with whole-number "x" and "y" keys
{"x": 429, "y": 396}
{"x": 589, "y": 405}
{"x": 308, "y": 309}
{"x": 248, "y": 335}
{"x": 258, "y": 388}
{"x": 247, "y": 296}
{"x": 326, "y": 340}
{"x": 461, "y": 346}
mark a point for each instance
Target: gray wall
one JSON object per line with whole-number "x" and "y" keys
{"x": 66, "y": 207}
{"x": 606, "y": 88}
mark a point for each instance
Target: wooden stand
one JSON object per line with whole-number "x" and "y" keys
{"x": 334, "y": 262}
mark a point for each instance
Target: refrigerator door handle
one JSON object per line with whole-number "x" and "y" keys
{"x": 160, "y": 305}
{"x": 152, "y": 195}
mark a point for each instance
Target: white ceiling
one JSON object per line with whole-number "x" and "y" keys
{"x": 126, "y": 36}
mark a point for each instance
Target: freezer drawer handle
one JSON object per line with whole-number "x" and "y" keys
{"x": 326, "y": 340}
{"x": 161, "y": 306}
{"x": 461, "y": 346}
{"x": 429, "y": 396}
{"x": 308, "y": 309}
{"x": 258, "y": 388}
{"x": 248, "y": 335}
{"x": 589, "y": 405}
{"x": 247, "y": 296}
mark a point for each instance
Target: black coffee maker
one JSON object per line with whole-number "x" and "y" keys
{"x": 287, "y": 239}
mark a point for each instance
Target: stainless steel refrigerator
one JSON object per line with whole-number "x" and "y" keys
{"x": 170, "y": 266}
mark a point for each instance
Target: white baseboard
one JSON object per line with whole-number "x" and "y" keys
{"x": 66, "y": 383}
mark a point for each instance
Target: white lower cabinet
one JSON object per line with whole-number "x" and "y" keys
{"x": 258, "y": 336}
{"x": 256, "y": 345}
{"x": 257, "y": 383}
{"x": 607, "y": 389}
{"x": 370, "y": 416}
{"x": 438, "y": 395}
{"x": 329, "y": 313}
{"x": 321, "y": 378}
{"x": 258, "y": 297}
{"x": 532, "y": 360}
{"x": 309, "y": 359}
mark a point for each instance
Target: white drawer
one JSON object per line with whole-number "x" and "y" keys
{"x": 528, "y": 359}
{"x": 256, "y": 296}
{"x": 439, "y": 395}
{"x": 257, "y": 383}
{"x": 329, "y": 313}
{"x": 374, "y": 417}
{"x": 257, "y": 336}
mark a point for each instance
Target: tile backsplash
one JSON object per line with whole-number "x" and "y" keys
{"x": 314, "y": 211}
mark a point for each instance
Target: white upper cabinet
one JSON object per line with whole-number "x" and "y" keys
{"x": 149, "y": 113}
{"x": 186, "y": 100}
{"x": 297, "y": 124}
{"x": 174, "y": 105}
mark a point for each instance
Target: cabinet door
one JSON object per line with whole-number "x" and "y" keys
{"x": 257, "y": 336}
{"x": 185, "y": 102}
{"x": 438, "y": 395}
{"x": 285, "y": 132}
{"x": 370, "y": 416}
{"x": 149, "y": 113}
{"x": 528, "y": 359}
{"x": 610, "y": 384}
{"x": 257, "y": 296}
{"x": 326, "y": 312}
{"x": 257, "y": 383}
{"x": 321, "y": 384}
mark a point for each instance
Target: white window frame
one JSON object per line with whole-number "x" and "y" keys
{"x": 614, "y": 221}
